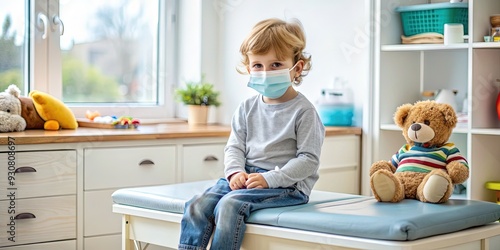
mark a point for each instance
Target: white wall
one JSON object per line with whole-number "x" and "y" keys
{"x": 332, "y": 29}
{"x": 337, "y": 38}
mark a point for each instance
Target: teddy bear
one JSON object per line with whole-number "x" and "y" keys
{"x": 38, "y": 111}
{"x": 428, "y": 166}
{"x": 10, "y": 110}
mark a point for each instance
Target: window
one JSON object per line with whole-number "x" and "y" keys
{"x": 114, "y": 56}
{"x": 13, "y": 44}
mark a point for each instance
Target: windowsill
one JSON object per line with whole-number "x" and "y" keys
{"x": 155, "y": 121}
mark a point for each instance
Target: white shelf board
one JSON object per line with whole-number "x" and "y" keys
{"x": 423, "y": 47}
{"x": 461, "y": 130}
{"x": 486, "y": 131}
{"x": 482, "y": 45}
{"x": 393, "y": 127}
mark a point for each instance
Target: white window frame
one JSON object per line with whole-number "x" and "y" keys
{"x": 45, "y": 71}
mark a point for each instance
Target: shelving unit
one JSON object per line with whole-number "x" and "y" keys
{"x": 403, "y": 71}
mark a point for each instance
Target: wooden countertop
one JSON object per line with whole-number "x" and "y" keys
{"x": 143, "y": 132}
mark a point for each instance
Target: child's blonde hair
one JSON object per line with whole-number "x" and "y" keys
{"x": 286, "y": 38}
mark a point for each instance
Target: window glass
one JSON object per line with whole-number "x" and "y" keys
{"x": 12, "y": 44}
{"x": 109, "y": 51}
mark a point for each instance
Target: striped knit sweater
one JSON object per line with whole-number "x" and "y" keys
{"x": 422, "y": 159}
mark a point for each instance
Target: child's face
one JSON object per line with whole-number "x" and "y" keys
{"x": 269, "y": 62}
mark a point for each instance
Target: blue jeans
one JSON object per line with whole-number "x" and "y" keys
{"x": 226, "y": 211}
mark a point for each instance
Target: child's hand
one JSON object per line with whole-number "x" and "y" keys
{"x": 238, "y": 180}
{"x": 256, "y": 180}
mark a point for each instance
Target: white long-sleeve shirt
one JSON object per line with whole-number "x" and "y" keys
{"x": 287, "y": 135}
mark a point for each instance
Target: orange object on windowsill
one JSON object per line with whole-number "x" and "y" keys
{"x": 92, "y": 114}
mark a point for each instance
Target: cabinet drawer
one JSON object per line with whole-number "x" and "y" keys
{"x": 38, "y": 173}
{"x": 44, "y": 220}
{"x": 343, "y": 180}
{"x": 340, "y": 152}
{"x": 202, "y": 162}
{"x": 98, "y": 208}
{"x": 105, "y": 242}
{"x": 339, "y": 169}
{"x": 128, "y": 166}
{"x": 60, "y": 245}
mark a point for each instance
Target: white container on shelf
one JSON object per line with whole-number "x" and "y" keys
{"x": 336, "y": 107}
{"x": 453, "y": 33}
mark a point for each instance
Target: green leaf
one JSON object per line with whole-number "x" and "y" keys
{"x": 198, "y": 93}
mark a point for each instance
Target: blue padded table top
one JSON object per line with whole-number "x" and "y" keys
{"x": 335, "y": 213}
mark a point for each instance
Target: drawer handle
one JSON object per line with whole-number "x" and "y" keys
{"x": 210, "y": 158}
{"x": 146, "y": 162}
{"x": 25, "y": 170}
{"x": 23, "y": 216}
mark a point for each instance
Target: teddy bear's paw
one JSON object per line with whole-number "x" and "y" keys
{"x": 13, "y": 123}
{"x": 380, "y": 165}
{"x": 436, "y": 189}
{"x": 458, "y": 171}
{"x": 386, "y": 187}
{"x": 21, "y": 125}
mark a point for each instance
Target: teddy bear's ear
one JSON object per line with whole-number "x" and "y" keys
{"x": 449, "y": 115}
{"x": 13, "y": 90}
{"x": 401, "y": 114}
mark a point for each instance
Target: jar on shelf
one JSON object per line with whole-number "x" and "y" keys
{"x": 495, "y": 186}
{"x": 496, "y": 34}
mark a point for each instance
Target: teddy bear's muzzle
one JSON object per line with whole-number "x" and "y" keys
{"x": 420, "y": 132}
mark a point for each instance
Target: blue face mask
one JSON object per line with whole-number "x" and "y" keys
{"x": 272, "y": 84}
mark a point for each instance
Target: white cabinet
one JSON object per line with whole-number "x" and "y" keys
{"x": 110, "y": 166}
{"x": 402, "y": 72}
{"x": 339, "y": 169}
{"x": 202, "y": 162}
{"x": 118, "y": 167}
{"x": 38, "y": 199}
{"x": 62, "y": 191}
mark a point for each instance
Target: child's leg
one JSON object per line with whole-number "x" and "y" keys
{"x": 198, "y": 219}
{"x": 235, "y": 207}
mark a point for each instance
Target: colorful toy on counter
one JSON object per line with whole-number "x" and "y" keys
{"x": 52, "y": 111}
{"x": 92, "y": 114}
{"x": 123, "y": 122}
{"x": 126, "y": 122}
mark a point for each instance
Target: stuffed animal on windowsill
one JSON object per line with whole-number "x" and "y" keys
{"x": 428, "y": 166}
{"x": 38, "y": 111}
{"x": 10, "y": 111}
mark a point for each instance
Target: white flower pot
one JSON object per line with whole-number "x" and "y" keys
{"x": 197, "y": 114}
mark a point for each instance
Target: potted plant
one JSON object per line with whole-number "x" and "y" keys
{"x": 198, "y": 96}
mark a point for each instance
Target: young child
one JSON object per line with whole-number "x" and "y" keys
{"x": 272, "y": 155}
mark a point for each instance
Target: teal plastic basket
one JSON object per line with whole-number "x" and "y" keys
{"x": 423, "y": 18}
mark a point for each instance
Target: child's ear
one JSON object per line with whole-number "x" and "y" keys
{"x": 299, "y": 67}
